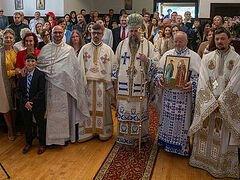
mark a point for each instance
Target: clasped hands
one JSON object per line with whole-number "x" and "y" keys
{"x": 186, "y": 88}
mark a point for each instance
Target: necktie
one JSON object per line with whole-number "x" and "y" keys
{"x": 29, "y": 79}
{"x": 123, "y": 34}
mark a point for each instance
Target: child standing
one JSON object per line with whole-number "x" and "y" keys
{"x": 31, "y": 92}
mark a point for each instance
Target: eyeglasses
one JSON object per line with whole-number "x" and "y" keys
{"x": 1, "y": 11}
{"x": 57, "y": 32}
{"x": 97, "y": 33}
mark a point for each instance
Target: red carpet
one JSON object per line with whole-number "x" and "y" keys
{"x": 126, "y": 163}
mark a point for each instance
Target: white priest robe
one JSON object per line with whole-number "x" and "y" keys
{"x": 97, "y": 62}
{"x": 127, "y": 73}
{"x": 66, "y": 101}
{"x": 176, "y": 107}
{"x": 216, "y": 124}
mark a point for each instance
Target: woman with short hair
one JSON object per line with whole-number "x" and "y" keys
{"x": 8, "y": 81}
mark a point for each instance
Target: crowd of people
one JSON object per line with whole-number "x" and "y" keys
{"x": 66, "y": 74}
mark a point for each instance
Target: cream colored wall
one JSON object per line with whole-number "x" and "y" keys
{"x": 29, "y": 6}
{"x": 102, "y": 6}
{"x": 61, "y": 7}
{"x": 204, "y": 5}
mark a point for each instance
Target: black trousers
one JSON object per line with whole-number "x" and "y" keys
{"x": 29, "y": 126}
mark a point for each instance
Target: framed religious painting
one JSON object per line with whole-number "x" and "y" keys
{"x": 176, "y": 72}
{"x": 40, "y": 4}
{"x": 18, "y": 4}
{"x": 128, "y": 4}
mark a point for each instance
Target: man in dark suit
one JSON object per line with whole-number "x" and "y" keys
{"x": 120, "y": 33}
{"x": 31, "y": 91}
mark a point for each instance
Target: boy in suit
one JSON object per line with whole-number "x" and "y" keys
{"x": 31, "y": 92}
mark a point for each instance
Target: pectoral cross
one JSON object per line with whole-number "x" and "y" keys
{"x": 51, "y": 70}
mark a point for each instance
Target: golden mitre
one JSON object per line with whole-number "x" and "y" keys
{"x": 134, "y": 21}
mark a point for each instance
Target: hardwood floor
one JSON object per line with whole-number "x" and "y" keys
{"x": 81, "y": 161}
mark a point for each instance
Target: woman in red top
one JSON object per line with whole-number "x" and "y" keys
{"x": 52, "y": 19}
{"x": 30, "y": 41}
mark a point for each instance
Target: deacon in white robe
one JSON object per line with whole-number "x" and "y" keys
{"x": 132, "y": 84}
{"x": 66, "y": 100}
{"x": 176, "y": 105}
{"x": 96, "y": 60}
{"x": 216, "y": 124}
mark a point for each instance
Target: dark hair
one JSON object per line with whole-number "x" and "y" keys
{"x": 100, "y": 19}
{"x": 31, "y": 56}
{"x": 220, "y": 30}
{"x": 36, "y": 27}
{"x": 97, "y": 26}
{"x": 73, "y": 12}
{"x": 67, "y": 15}
{"x": 121, "y": 12}
{"x": 42, "y": 34}
{"x": 176, "y": 25}
{"x": 61, "y": 20}
{"x": 86, "y": 33}
{"x": 34, "y": 38}
{"x": 168, "y": 26}
{"x": 82, "y": 10}
{"x": 147, "y": 13}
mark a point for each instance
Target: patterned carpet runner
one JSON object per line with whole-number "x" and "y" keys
{"x": 126, "y": 163}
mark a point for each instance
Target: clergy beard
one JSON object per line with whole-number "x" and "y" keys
{"x": 134, "y": 42}
{"x": 221, "y": 48}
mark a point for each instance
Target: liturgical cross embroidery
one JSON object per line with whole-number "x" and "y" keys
{"x": 125, "y": 57}
{"x": 105, "y": 58}
{"x": 86, "y": 56}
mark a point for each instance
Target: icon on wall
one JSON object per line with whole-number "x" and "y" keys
{"x": 18, "y": 4}
{"x": 40, "y": 4}
{"x": 128, "y": 4}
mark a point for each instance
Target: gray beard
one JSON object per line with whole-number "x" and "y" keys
{"x": 134, "y": 43}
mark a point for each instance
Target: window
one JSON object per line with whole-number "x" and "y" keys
{"x": 180, "y": 8}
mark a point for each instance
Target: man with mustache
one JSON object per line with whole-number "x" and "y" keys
{"x": 216, "y": 124}
{"x": 132, "y": 74}
{"x": 66, "y": 103}
{"x": 176, "y": 105}
{"x": 96, "y": 60}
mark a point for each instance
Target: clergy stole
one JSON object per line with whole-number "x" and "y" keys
{"x": 97, "y": 68}
{"x": 130, "y": 87}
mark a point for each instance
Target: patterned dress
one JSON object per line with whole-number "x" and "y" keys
{"x": 177, "y": 107}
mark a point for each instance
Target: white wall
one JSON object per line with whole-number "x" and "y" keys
{"x": 29, "y": 7}
{"x": 61, "y": 7}
{"x": 204, "y": 5}
{"x": 102, "y": 6}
